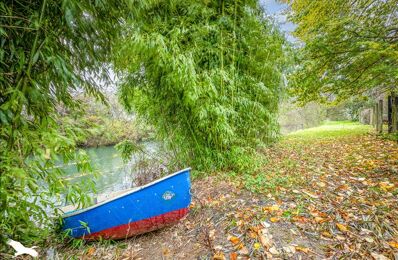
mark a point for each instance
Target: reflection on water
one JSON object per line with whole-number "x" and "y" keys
{"x": 113, "y": 173}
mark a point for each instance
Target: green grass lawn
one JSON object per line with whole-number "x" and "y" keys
{"x": 331, "y": 129}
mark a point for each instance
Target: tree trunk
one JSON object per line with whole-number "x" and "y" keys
{"x": 374, "y": 116}
{"x": 377, "y": 117}
{"x": 394, "y": 113}
{"x": 389, "y": 113}
{"x": 380, "y": 117}
{"x": 371, "y": 116}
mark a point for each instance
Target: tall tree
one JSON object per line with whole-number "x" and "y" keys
{"x": 348, "y": 47}
{"x": 48, "y": 50}
{"x": 207, "y": 74}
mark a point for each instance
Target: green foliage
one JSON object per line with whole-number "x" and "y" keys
{"x": 349, "y": 109}
{"x": 206, "y": 74}
{"x": 127, "y": 148}
{"x": 355, "y": 105}
{"x": 390, "y": 136}
{"x": 49, "y": 50}
{"x": 106, "y": 124}
{"x": 350, "y": 47}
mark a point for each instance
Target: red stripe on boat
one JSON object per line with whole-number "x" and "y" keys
{"x": 139, "y": 227}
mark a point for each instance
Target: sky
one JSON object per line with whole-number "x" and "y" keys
{"x": 278, "y": 12}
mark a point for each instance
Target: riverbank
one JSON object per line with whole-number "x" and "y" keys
{"x": 329, "y": 191}
{"x": 108, "y": 132}
{"x": 105, "y": 125}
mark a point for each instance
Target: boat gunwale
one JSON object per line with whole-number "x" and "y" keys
{"x": 128, "y": 192}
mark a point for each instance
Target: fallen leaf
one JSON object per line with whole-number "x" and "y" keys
{"x": 386, "y": 186}
{"x": 252, "y": 234}
{"x": 341, "y": 238}
{"x": 244, "y": 251}
{"x": 255, "y": 228}
{"x": 239, "y": 246}
{"x": 344, "y": 187}
{"x": 377, "y": 256}
{"x": 289, "y": 249}
{"x": 357, "y": 179}
{"x": 327, "y": 234}
{"x": 271, "y": 208}
{"x": 274, "y": 251}
{"x": 317, "y": 213}
{"x": 212, "y": 234}
{"x": 321, "y": 184}
{"x": 234, "y": 240}
{"x": 219, "y": 256}
{"x": 166, "y": 251}
{"x": 369, "y": 239}
{"x": 274, "y": 219}
{"x": 342, "y": 227}
{"x": 240, "y": 223}
{"x": 314, "y": 196}
{"x": 265, "y": 240}
{"x": 320, "y": 220}
{"x": 300, "y": 219}
{"x": 302, "y": 249}
{"x": 90, "y": 251}
{"x": 233, "y": 256}
{"x": 393, "y": 244}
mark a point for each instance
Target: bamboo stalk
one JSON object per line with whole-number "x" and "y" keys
{"x": 222, "y": 51}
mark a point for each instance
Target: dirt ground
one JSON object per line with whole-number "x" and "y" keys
{"x": 224, "y": 223}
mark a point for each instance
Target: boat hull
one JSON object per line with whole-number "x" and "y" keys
{"x": 145, "y": 209}
{"x": 139, "y": 227}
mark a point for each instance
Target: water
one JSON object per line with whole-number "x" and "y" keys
{"x": 113, "y": 173}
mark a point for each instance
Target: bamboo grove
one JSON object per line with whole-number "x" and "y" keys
{"x": 207, "y": 74}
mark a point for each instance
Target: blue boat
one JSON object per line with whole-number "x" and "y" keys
{"x": 135, "y": 211}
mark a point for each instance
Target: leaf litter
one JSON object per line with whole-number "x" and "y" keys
{"x": 340, "y": 202}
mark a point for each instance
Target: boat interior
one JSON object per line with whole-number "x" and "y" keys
{"x": 98, "y": 199}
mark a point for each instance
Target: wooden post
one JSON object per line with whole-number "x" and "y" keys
{"x": 380, "y": 117}
{"x": 389, "y": 113}
{"x": 372, "y": 116}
